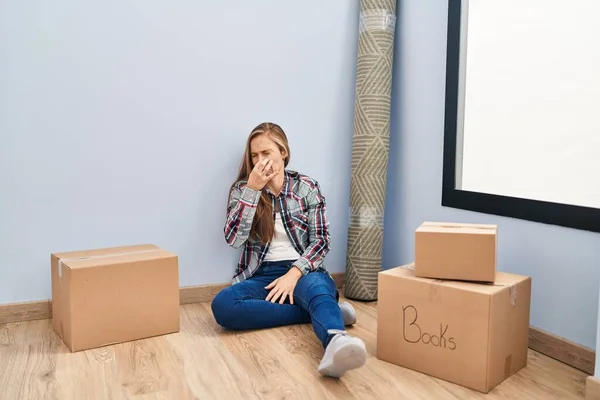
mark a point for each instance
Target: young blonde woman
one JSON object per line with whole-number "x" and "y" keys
{"x": 279, "y": 218}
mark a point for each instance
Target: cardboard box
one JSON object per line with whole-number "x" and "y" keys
{"x": 454, "y": 251}
{"x": 107, "y": 296}
{"x": 474, "y": 335}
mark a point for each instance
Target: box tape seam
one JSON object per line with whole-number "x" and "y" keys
{"x": 470, "y": 226}
{"x": 62, "y": 260}
{"x": 513, "y": 295}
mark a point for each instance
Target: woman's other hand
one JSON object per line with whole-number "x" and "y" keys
{"x": 284, "y": 286}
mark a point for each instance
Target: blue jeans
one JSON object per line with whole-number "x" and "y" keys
{"x": 243, "y": 306}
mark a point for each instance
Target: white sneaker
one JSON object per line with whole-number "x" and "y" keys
{"x": 348, "y": 313}
{"x": 342, "y": 354}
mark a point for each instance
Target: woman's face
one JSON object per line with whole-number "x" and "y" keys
{"x": 262, "y": 147}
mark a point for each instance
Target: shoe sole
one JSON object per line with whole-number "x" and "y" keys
{"x": 348, "y": 357}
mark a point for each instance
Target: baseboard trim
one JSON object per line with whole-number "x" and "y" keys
{"x": 592, "y": 388}
{"x": 36, "y": 310}
{"x": 563, "y": 350}
{"x": 28, "y": 311}
{"x": 199, "y": 294}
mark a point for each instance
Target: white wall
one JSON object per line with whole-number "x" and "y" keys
{"x": 563, "y": 263}
{"x": 532, "y": 93}
{"x": 123, "y": 122}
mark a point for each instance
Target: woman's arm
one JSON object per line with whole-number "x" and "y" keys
{"x": 240, "y": 214}
{"x": 318, "y": 233}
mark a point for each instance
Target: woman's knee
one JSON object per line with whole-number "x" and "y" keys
{"x": 222, "y": 307}
{"x": 315, "y": 284}
{"x": 317, "y": 281}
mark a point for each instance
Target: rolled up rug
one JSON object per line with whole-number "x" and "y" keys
{"x": 370, "y": 147}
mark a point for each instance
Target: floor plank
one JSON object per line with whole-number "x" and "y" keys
{"x": 203, "y": 361}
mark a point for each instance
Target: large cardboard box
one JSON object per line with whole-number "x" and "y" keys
{"x": 445, "y": 250}
{"x": 471, "y": 334}
{"x": 107, "y": 296}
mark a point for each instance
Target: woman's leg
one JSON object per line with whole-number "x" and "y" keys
{"x": 317, "y": 294}
{"x": 243, "y": 306}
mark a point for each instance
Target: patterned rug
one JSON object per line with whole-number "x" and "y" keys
{"x": 370, "y": 147}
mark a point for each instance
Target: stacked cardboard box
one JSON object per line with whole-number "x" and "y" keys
{"x": 450, "y": 314}
{"x": 465, "y": 252}
{"x": 114, "y": 295}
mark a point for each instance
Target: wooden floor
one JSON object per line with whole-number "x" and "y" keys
{"x": 204, "y": 362}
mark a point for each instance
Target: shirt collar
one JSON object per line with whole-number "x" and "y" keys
{"x": 287, "y": 184}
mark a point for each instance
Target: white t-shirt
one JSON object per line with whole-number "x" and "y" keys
{"x": 281, "y": 247}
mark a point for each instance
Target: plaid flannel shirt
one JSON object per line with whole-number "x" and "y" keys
{"x": 303, "y": 213}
